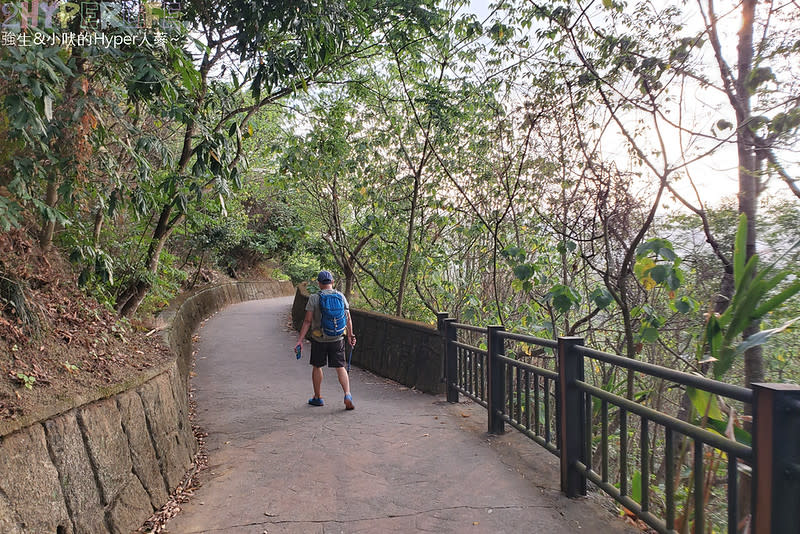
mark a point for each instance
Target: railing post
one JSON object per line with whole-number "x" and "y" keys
{"x": 440, "y": 317}
{"x": 573, "y": 414}
{"x": 450, "y": 360}
{"x": 776, "y": 451}
{"x": 441, "y": 328}
{"x": 496, "y": 378}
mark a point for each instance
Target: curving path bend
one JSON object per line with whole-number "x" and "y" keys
{"x": 402, "y": 461}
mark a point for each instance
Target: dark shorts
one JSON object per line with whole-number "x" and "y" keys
{"x": 331, "y": 353}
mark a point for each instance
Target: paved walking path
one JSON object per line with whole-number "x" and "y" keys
{"x": 402, "y": 461}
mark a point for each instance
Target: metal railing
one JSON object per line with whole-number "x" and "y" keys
{"x": 546, "y": 394}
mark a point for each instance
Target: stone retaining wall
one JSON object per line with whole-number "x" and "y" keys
{"x": 405, "y": 351}
{"x": 105, "y": 464}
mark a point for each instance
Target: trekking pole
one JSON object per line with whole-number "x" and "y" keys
{"x": 349, "y": 357}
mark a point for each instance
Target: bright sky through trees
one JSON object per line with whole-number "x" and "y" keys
{"x": 713, "y": 167}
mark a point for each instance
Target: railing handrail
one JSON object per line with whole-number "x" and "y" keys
{"x": 511, "y": 390}
{"x": 542, "y": 342}
{"x": 470, "y": 327}
{"x": 469, "y": 347}
{"x": 712, "y": 386}
{"x": 710, "y": 438}
{"x": 530, "y": 367}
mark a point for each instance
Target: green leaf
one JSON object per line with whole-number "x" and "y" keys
{"x": 566, "y": 246}
{"x": 723, "y": 124}
{"x": 705, "y": 401}
{"x": 745, "y": 302}
{"x": 563, "y": 297}
{"x": 762, "y": 337}
{"x": 775, "y": 302}
{"x": 660, "y": 247}
{"x": 527, "y": 286}
{"x": 724, "y": 361}
{"x": 636, "y": 486}
{"x": 601, "y": 297}
{"x": 739, "y": 434}
{"x": 523, "y": 271}
{"x": 684, "y": 305}
{"x": 649, "y": 334}
{"x": 785, "y": 122}
{"x": 659, "y": 273}
{"x": 740, "y": 251}
{"x": 713, "y": 337}
{"x": 642, "y": 266}
{"x": 514, "y": 253}
{"x": 757, "y": 77}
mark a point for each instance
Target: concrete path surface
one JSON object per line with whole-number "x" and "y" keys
{"x": 402, "y": 461}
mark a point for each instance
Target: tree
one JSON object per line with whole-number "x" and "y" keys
{"x": 323, "y": 169}
{"x": 639, "y": 61}
{"x": 759, "y": 137}
{"x": 282, "y": 48}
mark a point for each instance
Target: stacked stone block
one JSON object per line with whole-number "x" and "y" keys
{"x": 105, "y": 464}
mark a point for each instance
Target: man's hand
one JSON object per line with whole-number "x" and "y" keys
{"x": 352, "y": 341}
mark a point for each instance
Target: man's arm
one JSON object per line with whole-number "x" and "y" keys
{"x": 304, "y": 329}
{"x": 351, "y": 338}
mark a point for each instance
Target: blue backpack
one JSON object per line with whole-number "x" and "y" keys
{"x": 334, "y": 316}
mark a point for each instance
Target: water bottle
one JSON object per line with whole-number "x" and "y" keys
{"x": 298, "y": 349}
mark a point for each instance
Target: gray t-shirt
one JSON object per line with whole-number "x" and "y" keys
{"x": 316, "y": 316}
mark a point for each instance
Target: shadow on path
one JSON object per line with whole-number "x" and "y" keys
{"x": 402, "y": 461}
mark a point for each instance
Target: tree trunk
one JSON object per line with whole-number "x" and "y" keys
{"x": 748, "y": 168}
{"x": 748, "y": 202}
{"x": 349, "y": 275}
{"x": 409, "y": 242}
{"x": 349, "y": 263}
{"x": 132, "y": 297}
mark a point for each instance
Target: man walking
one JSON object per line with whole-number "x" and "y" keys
{"x": 328, "y": 319}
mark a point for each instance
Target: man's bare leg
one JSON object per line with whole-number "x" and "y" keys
{"x": 316, "y": 381}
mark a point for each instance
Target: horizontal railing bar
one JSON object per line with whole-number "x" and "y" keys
{"x": 542, "y": 342}
{"x": 726, "y": 390}
{"x": 653, "y": 521}
{"x": 552, "y": 375}
{"x": 469, "y": 348}
{"x": 472, "y": 397}
{"x": 471, "y": 328}
{"x": 522, "y": 422}
{"x": 549, "y": 446}
{"x": 715, "y": 440}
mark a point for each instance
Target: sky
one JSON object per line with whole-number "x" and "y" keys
{"x": 716, "y": 177}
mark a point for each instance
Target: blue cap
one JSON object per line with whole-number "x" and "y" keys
{"x": 325, "y": 277}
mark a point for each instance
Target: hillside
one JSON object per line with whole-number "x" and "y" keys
{"x": 56, "y": 343}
